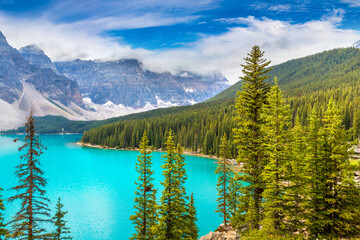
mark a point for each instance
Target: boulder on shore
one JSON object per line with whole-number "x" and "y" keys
{"x": 222, "y": 233}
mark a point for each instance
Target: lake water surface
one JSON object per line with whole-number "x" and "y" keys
{"x": 97, "y": 185}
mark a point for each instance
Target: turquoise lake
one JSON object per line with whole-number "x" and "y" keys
{"x": 97, "y": 185}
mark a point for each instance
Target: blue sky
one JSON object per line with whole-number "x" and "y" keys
{"x": 204, "y": 36}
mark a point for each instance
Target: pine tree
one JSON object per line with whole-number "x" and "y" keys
{"x": 225, "y": 174}
{"x": 314, "y": 179}
{"x": 296, "y": 181}
{"x": 34, "y": 211}
{"x": 192, "y": 231}
{"x": 277, "y": 118}
{"x": 235, "y": 186}
{"x": 170, "y": 211}
{"x": 249, "y": 136}
{"x": 181, "y": 197}
{"x": 61, "y": 231}
{"x": 3, "y": 230}
{"x": 356, "y": 125}
{"x": 339, "y": 217}
{"x": 145, "y": 199}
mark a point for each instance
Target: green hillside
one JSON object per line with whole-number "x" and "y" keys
{"x": 318, "y": 72}
{"x": 306, "y": 82}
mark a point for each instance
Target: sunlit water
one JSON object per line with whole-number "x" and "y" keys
{"x": 97, "y": 186}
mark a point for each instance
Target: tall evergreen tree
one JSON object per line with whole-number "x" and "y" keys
{"x": 277, "y": 118}
{"x": 224, "y": 175}
{"x": 34, "y": 211}
{"x": 249, "y": 136}
{"x": 192, "y": 231}
{"x": 356, "y": 124}
{"x": 181, "y": 197}
{"x": 294, "y": 195}
{"x": 145, "y": 199}
{"x": 235, "y": 186}
{"x": 339, "y": 211}
{"x": 3, "y": 230}
{"x": 314, "y": 179}
{"x": 61, "y": 231}
{"x": 170, "y": 211}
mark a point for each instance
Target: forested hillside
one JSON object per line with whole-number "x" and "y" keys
{"x": 306, "y": 82}
{"x": 195, "y": 128}
{"x": 315, "y": 79}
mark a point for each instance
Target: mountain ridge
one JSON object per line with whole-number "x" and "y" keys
{"x": 125, "y": 82}
{"x": 37, "y": 57}
{"x": 48, "y": 92}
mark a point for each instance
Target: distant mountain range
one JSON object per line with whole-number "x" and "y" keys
{"x": 85, "y": 90}
{"x": 307, "y": 81}
{"x": 125, "y": 82}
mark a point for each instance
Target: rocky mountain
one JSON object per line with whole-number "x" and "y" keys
{"x": 37, "y": 57}
{"x": 24, "y": 86}
{"x": 127, "y": 83}
{"x": 84, "y": 90}
{"x": 16, "y": 71}
{"x": 10, "y": 79}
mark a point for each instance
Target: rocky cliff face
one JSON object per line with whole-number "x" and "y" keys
{"x": 125, "y": 82}
{"x": 15, "y": 70}
{"x": 35, "y": 56}
{"x": 10, "y": 85}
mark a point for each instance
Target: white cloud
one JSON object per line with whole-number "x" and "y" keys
{"x": 281, "y": 41}
{"x": 280, "y": 8}
{"x": 294, "y": 6}
{"x": 64, "y": 41}
{"x": 335, "y": 17}
{"x": 80, "y": 10}
{"x": 128, "y": 22}
{"x": 353, "y": 3}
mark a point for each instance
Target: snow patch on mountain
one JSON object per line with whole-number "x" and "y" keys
{"x": 31, "y": 99}
{"x": 10, "y": 117}
{"x": 109, "y": 109}
{"x": 162, "y": 104}
{"x": 14, "y": 115}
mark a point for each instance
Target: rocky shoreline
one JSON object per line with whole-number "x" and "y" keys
{"x": 235, "y": 168}
{"x": 186, "y": 152}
